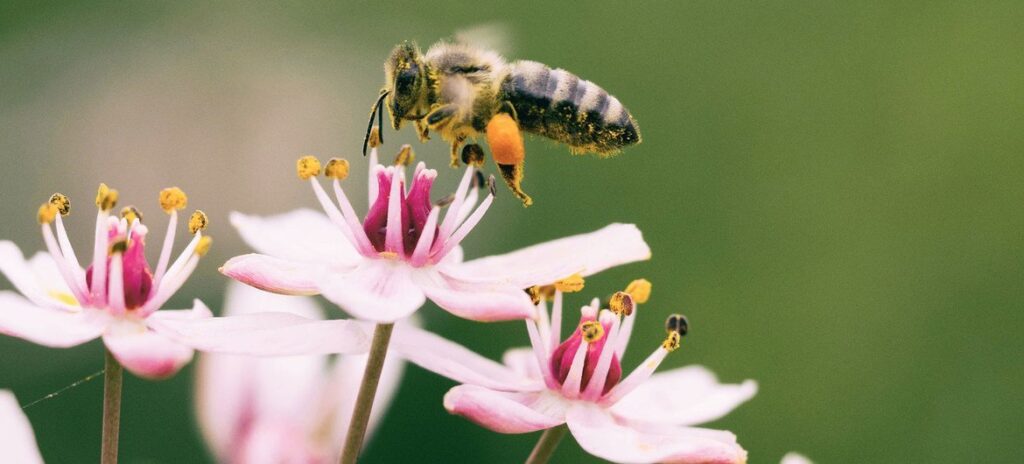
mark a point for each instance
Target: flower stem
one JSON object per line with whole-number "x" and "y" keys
{"x": 545, "y": 447}
{"x": 112, "y": 376}
{"x": 367, "y": 392}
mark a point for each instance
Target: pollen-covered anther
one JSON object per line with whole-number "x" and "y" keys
{"x": 405, "y": 156}
{"x": 131, "y": 213}
{"x": 677, "y": 326}
{"x": 473, "y": 155}
{"x": 62, "y": 202}
{"x": 119, "y": 246}
{"x": 621, "y": 303}
{"x": 491, "y": 185}
{"x": 592, "y": 331}
{"x": 540, "y": 293}
{"x": 337, "y": 168}
{"x": 571, "y": 284}
{"x": 671, "y": 342}
{"x": 198, "y": 221}
{"x": 47, "y": 213}
{"x": 173, "y": 198}
{"x": 106, "y": 198}
{"x": 640, "y": 290}
{"x": 203, "y": 247}
{"x": 307, "y": 167}
{"x": 374, "y": 141}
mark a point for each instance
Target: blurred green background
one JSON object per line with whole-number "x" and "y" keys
{"x": 832, "y": 192}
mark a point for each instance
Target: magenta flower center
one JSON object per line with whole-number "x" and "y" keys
{"x": 562, "y": 357}
{"x": 415, "y": 207}
{"x": 138, "y": 279}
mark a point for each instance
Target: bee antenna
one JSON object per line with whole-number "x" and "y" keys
{"x": 378, "y": 111}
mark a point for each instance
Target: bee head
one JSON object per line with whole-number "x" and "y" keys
{"x": 406, "y": 81}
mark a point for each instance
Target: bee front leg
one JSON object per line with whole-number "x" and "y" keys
{"x": 456, "y": 144}
{"x": 422, "y": 130}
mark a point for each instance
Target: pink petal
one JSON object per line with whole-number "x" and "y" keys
{"x": 379, "y": 290}
{"x": 600, "y": 434}
{"x": 476, "y": 301}
{"x": 144, "y": 352}
{"x": 38, "y": 279}
{"x": 45, "y": 326}
{"x": 523, "y": 361}
{"x": 299, "y": 235}
{"x": 795, "y": 458}
{"x": 19, "y": 441}
{"x": 547, "y": 262}
{"x": 685, "y": 396}
{"x": 339, "y": 397}
{"x": 273, "y": 274}
{"x": 507, "y": 412}
{"x": 441, "y": 356}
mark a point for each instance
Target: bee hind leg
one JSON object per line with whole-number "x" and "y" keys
{"x": 506, "y": 142}
{"x": 513, "y": 176}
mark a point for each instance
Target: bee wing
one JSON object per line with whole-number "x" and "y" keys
{"x": 494, "y": 36}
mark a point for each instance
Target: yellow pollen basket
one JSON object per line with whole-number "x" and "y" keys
{"x": 621, "y": 303}
{"x": 571, "y": 284}
{"x": 130, "y": 214}
{"x": 203, "y": 247}
{"x": 640, "y": 290}
{"x": 337, "y": 168}
{"x": 106, "y": 198}
{"x": 62, "y": 202}
{"x": 198, "y": 221}
{"x": 173, "y": 198}
{"x": 592, "y": 331}
{"x": 405, "y": 156}
{"x": 505, "y": 140}
{"x": 47, "y": 212}
{"x": 307, "y": 167}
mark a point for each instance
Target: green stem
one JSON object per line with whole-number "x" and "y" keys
{"x": 367, "y": 392}
{"x": 545, "y": 447}
{"x": 112, "y": 376}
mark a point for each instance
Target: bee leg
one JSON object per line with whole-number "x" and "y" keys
{"x": 513, "y": 176}
{"x": 440, "y": 117}
{"x": 456, "y": 144}
{"x": 506, "y": 142}
{"x": 422, "y": 130}
{"x": 507, "y": 108}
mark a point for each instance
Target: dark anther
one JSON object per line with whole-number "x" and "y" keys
{"x": 677, "y": 323}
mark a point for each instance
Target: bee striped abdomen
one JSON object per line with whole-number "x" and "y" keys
{"x": 556, "y": 104}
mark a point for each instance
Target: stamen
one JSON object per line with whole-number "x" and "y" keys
{"x": 445, "y": 201}
{"x": 99, "y": 258}
{"x": 173, "y": 199}
{"x": 66, "y": 271}
{"x": 541, "y": 353}
{"x": 464, "y": 229}
{"x": 47, "y": 212}
{"x": 473, "y": 155}
{"x": 677, "y": 326}
{"x": 405, "y": 156}
{"x": 115, "y": 300}
{"x": 599, "y": 377}
{"x": 571, "y": 284}
{"x": 337, "y": 168}
{"x": 450, "y": 221}
{"x": 621, "y": 303}
{"x": 307, "y": 167}
{"x": 197, "y": 222}
{"x": 355, "y": 229}
{"x": 421, "y": 252}
{"x": 131, "y": 214}
{"x": 640, "y": 290}
{"x": 106, "y": 198}
{"x": 592, "y": 331}
{"x": 62, "y": 202}
{"x": 571, "y": 385}
{"x": 556, "y": 321}
{"x": 375, "y": 137}
{"x": 203, "y": 246}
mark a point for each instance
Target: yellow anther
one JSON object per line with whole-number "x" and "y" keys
{"x": 640, "y": 290}
{"x": 374, "y": 137}
{"x": 62, "y": 202}
{"x": 405, "y": 156}
{"x": 203, "y": 247}
{"x": 621, "y": 303}
{"x": 540, "y": 293}
{"x": 307, "y": 166}
{"x": 388, "y": 255}
{"x": 671, "y": 342}
{"x": 197, "y": 221}
{"x": 106, "y": 198}
{"x": 172, "y": 198}
{"x": 571, "y": 284}
{"x": 119, "y": 246}
{"x": 47, "y": 212}
{"x": 337, "y": 168}
{"x": 592, "y": 331}
{"x": 130, "y": 214}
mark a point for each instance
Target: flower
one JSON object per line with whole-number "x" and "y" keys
{"x": 795, "y": 458}
{"x": 117, "y": 296}
{"x": 285, "y": 409}
{"x": 383, "y": 268}
{"x": 640, "y": 418}
{"x": 19, "y": 441}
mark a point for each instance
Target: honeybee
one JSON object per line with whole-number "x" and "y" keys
{"x": 461, "y": 91}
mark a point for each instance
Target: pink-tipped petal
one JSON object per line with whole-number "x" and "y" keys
{"x": 144, "y": 352}
{"x": 19, "y": 440}
{"x": 547, "y": 262}
{"x": 507, "y": 412}
{"x": 379, "y": 290}
{"x": 478, "y": 302}
{"x": 686, "y": 396}
{"x": 443, "y": 357}
{"x": 274, "y": 274}
{"x": 54, "y": 328}
{"x": 302, "y": 235}
{"x": 601, "y": 434}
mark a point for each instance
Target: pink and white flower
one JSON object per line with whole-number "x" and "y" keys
{"x": 384, "y": 267}
{"x": 641, "y": 418}
{"x": 19, "y": 441}
{"x": 284, "y": 409}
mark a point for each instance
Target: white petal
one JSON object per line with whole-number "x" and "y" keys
{"x": 300, "y": 235}
{"x": 686, "y": 396}
{"x": 547, "y": 262}
{"x": 507, "y": 412}
{"x": 273, "y": 274}
{"x": 339, "y": 397}
{"x": 38, "y": 279}
{"x": 600, "y": 434}
{"x": 379, "y": 290}
{"x": 523, "y": 361}
{"x": 54, "y": 328}
{"x": 144, "y": 352}
{"x": 19, "y": 441}
{"x": 795, "y": 458}
{"x": 475, "y": 301}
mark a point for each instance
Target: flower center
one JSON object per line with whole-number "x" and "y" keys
{"x": 592, "y": 332}
{"x": 137, "y": 277}
{"x": 414, "y": 208}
